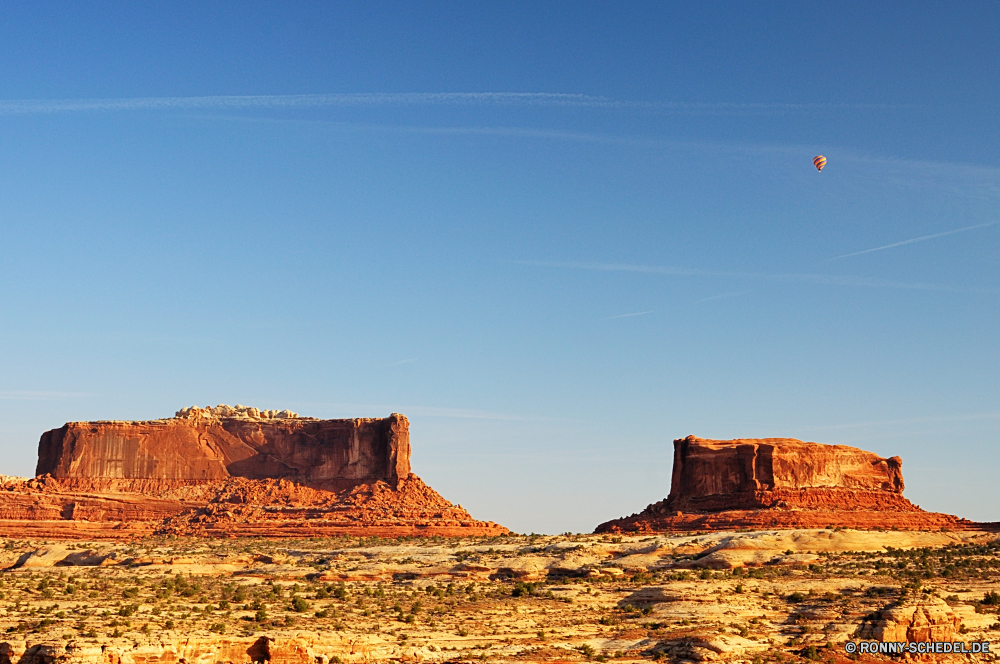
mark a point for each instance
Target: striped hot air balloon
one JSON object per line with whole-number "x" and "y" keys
{"x": 819, "y": 162}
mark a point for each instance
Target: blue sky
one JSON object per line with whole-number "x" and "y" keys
{"x": 556, "y": 236}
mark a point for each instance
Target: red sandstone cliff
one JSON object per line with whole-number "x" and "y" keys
{"x": 780, "y": 482}
{"x": 202, "y": 444}
{"x": 229, "y": 471}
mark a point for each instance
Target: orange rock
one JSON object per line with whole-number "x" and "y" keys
{"x": 782, "y": 483}
{"x": 230, "y": 472}
{"x": 195, "y": 446}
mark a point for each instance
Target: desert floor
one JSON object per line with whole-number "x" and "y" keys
{"x": 802, "y": 595}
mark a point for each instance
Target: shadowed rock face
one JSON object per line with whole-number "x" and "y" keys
{"x": 199, "y": 445}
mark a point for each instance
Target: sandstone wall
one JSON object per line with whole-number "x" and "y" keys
{"x": 782, "y": 483}
{"x": 199, "y": 445}
{"x": 743, "y": 474}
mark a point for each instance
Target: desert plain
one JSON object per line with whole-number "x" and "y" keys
{"x": 764, "y": 596}
{"x": 231, "y": 535}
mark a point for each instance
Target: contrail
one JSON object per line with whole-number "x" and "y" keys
{"x": 638, "y": 313}
{"x": 722, "y": 296}
{"x": 916, "y": 239}
{"x": 824, "y": 279}
{"x": 27, "y": 395}
{"x": 39, "y": 106}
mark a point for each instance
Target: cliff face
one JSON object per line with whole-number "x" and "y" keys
{"x": 783, "y": 483}
{"x": 720, "y": 474}
{"x": 230, "y": 472}
{"x": 201, "y": 444}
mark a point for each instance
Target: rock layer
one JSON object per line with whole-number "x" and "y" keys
{"x": 781, "y": 483}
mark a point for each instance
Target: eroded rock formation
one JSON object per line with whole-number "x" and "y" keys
{"x": 783, "y": 483}
{"x": 923, "y": 619}
{"x": 211, "y": 444}
{"x": 229, "y": 471}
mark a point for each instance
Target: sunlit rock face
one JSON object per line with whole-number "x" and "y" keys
{"x": 230, "y": 471}
{"x": 781, "y": 483}
{"x": 217, "y": 443}
{"x": 745, "y": 473}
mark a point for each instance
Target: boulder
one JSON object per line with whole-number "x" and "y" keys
{"x": 61, "y": 556}
{"x": 925, "y": 619}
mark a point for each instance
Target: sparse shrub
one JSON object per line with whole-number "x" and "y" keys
{"x": 810, "y": 653}
{"x": 523, "y": 589}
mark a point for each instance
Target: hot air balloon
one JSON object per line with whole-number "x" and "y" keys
{"x": 819, "y": 162}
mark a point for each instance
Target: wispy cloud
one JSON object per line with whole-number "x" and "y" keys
{"x": 638, "y": 313}
{"x": 419, "y": 411}
{"x": 361, "y": 99}
{"x": 823, "y": 279}
{"x": 27, "y": 395}
{"x": 722, "y": 296}
{"x": 965, "y": 417}
{"x": 914, "y": 240}
{"x": 16, "y": 106}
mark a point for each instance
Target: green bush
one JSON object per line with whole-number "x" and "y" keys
{"x": 810, "y": 653}
{"x": 522, "y": 589}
